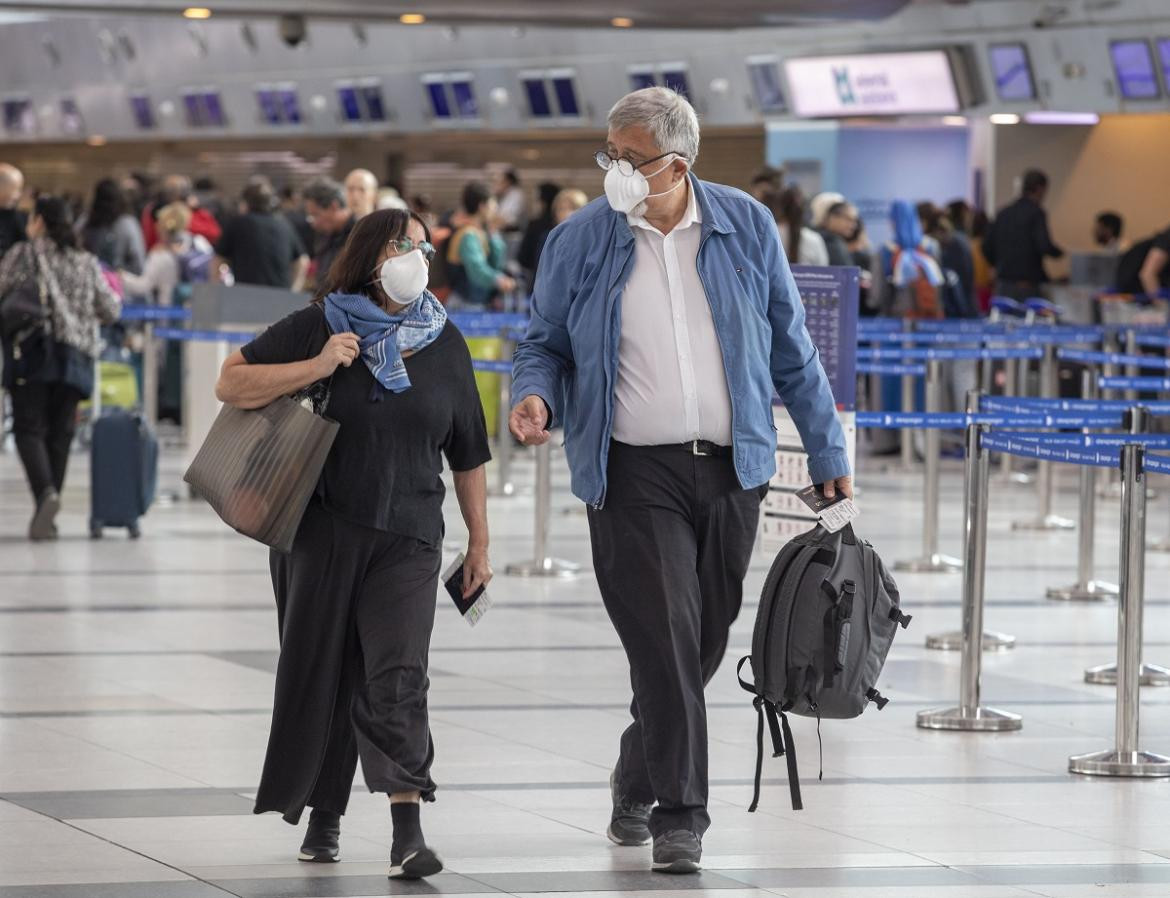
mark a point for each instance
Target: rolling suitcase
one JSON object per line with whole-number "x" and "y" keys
{"x": 123, "y": 472}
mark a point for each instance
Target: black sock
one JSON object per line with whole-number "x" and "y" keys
{"x": 408, "y": 835}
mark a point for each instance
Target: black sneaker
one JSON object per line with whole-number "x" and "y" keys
{"x": 629, "y": 825}
{"x": 677, "y": 851}
{"x": 320, "y": 846}
{"x": 42, "y": 526}
{"x": 415, "y": 864}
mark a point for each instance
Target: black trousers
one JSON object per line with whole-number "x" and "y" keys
{"x": 44, "y": 418}
{"x": 671, "y": 548}
{"x": 1017, "y": 290}
{"x": 356, "y": 608}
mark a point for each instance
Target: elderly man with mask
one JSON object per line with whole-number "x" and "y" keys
{"x": 361, "y": 192}
{"x": 664, "y": 317}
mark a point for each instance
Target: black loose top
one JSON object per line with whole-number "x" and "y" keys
{"x": 385, "y": 468}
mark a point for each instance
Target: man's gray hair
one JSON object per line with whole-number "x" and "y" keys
{"x": 666, "y": 114}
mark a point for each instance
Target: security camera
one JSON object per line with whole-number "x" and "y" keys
{"x": 293, "y": 30}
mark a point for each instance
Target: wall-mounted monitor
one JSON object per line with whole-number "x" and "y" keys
{"x": 143, "y": 111}
{"x": 278, "y": 104}
{"x": 565, "y": 90}
{"x": 642, "y": 77}
{"x": 1133, "y": 64}
{"x": 1164, "y": 59}
{"x": 921, "y": 82}
{"x": 764, "y": 74}
{"x": 451, "y": 96}
{"x": 203, "y": 109}
{"x": 551, "y": 94}
{"x": 269, "y": 106}
{"x": 675, "y": 78}
{"x": 1011, "y": 69}
{"x": 18, "y": 115}
{"x": 71, "y": 120}
{"x": 371, "y": 92}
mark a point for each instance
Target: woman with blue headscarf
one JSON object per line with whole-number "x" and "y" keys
{"x": 356, "y": 595}
{"x": 913, "y": 277}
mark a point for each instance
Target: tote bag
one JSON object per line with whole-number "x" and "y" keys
{"x": 259, "y": 467}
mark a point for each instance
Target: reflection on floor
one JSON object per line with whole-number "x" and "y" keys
{"x": 136, "y": 679}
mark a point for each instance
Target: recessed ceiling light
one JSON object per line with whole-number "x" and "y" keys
{"x": 621, "y": 22}
{"x": 96, "y": 140}
{"x": 1005, "y": 118}
{"x": 196, "y": 12}
{"x": 955, "y": 121}
{"x": 412, "y": 18}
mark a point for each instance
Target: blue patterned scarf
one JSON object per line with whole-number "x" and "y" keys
{"x": 384, "y": 337}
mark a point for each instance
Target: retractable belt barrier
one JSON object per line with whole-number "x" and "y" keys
{"x": 153, "y": 313}
{"x": 943, "y": 355}
{"x": 203, "y": 336}
{"x": 1152, "y": 384}
{"x": 891, "y": 369}
{"x": 1113, "y": 358}
{"x": 954, "y": 420}
{"x": 492, "y": 366}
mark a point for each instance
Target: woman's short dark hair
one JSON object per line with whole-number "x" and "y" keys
{"x": 54, "y": 212}
{"x": 109, "y": 204}
{"x": 353, "y": 270}
{"x": 475, "y": 194}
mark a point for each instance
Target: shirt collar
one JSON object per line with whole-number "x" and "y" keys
{"x": 692, "y": 215}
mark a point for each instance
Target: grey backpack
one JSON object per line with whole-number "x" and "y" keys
{"x": 828, "y": 614}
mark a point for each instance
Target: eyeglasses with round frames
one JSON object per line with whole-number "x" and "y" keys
{"x": 404, "y": 245}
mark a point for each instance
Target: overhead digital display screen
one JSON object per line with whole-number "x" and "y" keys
{"x": 1164, "y": 59}
{"x": 1012, "y": 71}
{"x": 1133, "y": 64}
{"x": 920, "y": 82}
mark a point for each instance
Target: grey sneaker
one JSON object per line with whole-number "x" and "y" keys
{"x": 321, "y": 838}
{"x": 630, "y": 824}
{"x": 677, "y": 851}
{"x": 42, "y": 526}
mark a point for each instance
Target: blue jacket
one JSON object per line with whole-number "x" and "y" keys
{"x": 570, "y": 356}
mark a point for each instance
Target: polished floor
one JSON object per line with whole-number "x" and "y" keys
{"x": 136, "y": 680}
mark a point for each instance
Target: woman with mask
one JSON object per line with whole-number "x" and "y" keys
{"x": 356, "y": 595}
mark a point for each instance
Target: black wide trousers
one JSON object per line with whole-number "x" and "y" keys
{"x": 671, "y": 548}
{"x": 356, "y": 608}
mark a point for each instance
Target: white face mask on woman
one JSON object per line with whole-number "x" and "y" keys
{"x": 405, "y": 277}
{"x": 628, "y": 193}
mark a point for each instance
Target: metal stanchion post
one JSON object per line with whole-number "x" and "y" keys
{"x": 1086, "y": 589}
{"x": 1111, "y": 487}
{"x": 931, "y": 561}
{"x": 1149, "y": 674}
{"x": 149, "y": 375}
{"x": 1045, "y": 519}
{"x": 953, "y": 641}
{"x": 1012, "y": 381}
{"x": 1126, "y": 759}
{"x": 908, "y": 435}
{"x": 970, "y": 715}
{"x": 542, "y": 564}
{"x": 504, "y": 485}
{"x": 1131, "y": 348}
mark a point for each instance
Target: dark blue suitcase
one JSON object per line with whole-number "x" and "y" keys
{"x": 123, "y": 471}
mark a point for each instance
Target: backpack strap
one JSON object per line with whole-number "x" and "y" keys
{"x": 759, "y": 703}
{"x": 789, "y": 752}
{"x": 744, "y": 684}
{"x": 838, "y": 624}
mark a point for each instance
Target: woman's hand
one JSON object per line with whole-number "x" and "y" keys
{"x": 477, "y": 571}
{"x": 341, "y": 349}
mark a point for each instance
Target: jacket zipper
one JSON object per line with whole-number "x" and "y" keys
{"x": 722, "y": 353}
{"x": 612, "y": 302}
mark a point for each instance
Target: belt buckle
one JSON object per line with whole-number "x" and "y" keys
{"x": 697, "y": 448}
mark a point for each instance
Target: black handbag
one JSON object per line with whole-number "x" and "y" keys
{"x": 24, "y": 310}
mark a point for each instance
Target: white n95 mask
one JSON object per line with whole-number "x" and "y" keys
{"x": 628, "y": 193}
{"x": 405, "y": 277}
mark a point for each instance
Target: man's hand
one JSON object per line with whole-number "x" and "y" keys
{"x": 529, "y": 422}
{"x": 844, "y": 484}
{"x": 477, "y": 571}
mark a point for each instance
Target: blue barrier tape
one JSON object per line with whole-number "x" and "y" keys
{"x": 1052, "y": 335}
{"x": 182, "y": 333}
{"x": 891, "y": 368}
{"x": 1113, "y": 358}
{"x": 489, "y": 320}
{"x": 893, "y": 353}
{"x": 1134, "y": 383}
{"x": 1096, "y": 440}
{"x": 955, "y": 420}
{"x": 962, "y": 325}
{"x": 497, "y": 367}
{"x": 1012, "y": 446}
{"x": 153, "y": 313}
{"x": 1158, "y": 464}
{"x": 1023, "y": 405}
{"x": 1153, "y": 339}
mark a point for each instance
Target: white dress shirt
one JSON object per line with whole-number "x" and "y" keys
{"x": 671, "y": 384}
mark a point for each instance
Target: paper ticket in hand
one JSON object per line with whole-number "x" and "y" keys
{"x": 834, "y": 513}
{"x": 474, "y": 606}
